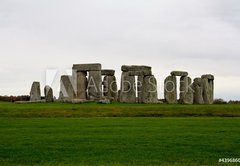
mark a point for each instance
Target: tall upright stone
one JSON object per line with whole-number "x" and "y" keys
{"x": 35, "y": 94}
{"x": 48, "y": 92}
{"x": 149, "y": 90}
{"x": 66, "y": 88}
{"x": 170, "y": 89}
{"x": 140, "y": 79}
{"x": 80, "y": 84}
{"x": 198, "y": 91}
{"x": 110, "y": 90}
{"x": 128, "y": 88}
{"x": 95, "y": 85}
{"x": 186, "y": 91}
{"x": 208, "y": 88}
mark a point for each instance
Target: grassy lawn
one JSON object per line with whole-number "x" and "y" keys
{"x": 118, "y": 141}
{"x": 118, "y": 134}
{"x": 116, "y": 110}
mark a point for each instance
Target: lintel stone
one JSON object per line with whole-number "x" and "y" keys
{"x": 87, "y": 67}
{"x": 179, "y": 73}
{"x": 127, "y": 68}
{"x": 107, "y": 72}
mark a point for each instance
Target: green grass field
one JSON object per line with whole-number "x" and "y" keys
{"x": 71, "y": 134}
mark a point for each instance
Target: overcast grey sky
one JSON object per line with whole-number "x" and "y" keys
{"x": 199, "y": 36}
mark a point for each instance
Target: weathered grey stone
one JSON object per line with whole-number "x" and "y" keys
{"x": 126, "y": 68}
{"x": 110, "y": 88}
{"x": 208, "y": 89}
{"x": 94, "y": 85}
{"x": 179, "y": 73}
{"x": 186, "y": 91}
{"x": 140, "y": 88}
{"x": 35, "y": 94}
{"x": 198, "y": 91}
{"x": 87, "y": 67}
{"x": 208, "y": 76}
{"x": 170, "y": 89}
{"x": 79, "y": 101}
{"x": 211, "y": 91}
{"x": 104, "y": 101}
{"x": 66, "y": 88}
{"x": 141, "y": 73}
{"x": 128, "y": 89}
{"x": 48, "y": 92}
{"x": 149, "y": 94}
{"x": 80, "y": 84}
{"x": 108, "y": 72}
{"x": 198, "y": 81}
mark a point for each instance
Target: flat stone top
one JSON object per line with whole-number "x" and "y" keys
{"x": 141, "y": 73}
{"x": 127, "y": 68}
{"x": 179, "y": 73}
{"x": 208, "y": 76}
{"x": 87, "y": 67}
{"x": 108, "y": 72}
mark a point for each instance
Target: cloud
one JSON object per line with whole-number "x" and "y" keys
{"x": 197, "y": 36}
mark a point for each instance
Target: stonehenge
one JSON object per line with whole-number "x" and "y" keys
{"x": 91, "y": 83}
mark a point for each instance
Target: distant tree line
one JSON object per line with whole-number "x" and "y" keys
{"x": 14, "y": 98}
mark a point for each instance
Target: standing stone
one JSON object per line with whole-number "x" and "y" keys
{"x": 208, "y": 88}
{"x": 48, "y": 93}
{"x": 110, "y": 88}
{"x": 94, "y": 85}
{"x": 66, "y": 88}
{"x": 149, "y": 94}
{"x": 128, "y": 89}
{"x": 170, "y": 89}
{"x": 198, "y": 91}
{"x": 35, "y": 94}
{"x": 81, "y": 78}
{"x": 186, "y": 92}
{"x": 140, "y": 88}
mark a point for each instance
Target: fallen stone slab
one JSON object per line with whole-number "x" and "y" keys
{"x": 127, "y": 68}
{"x": 179, "y": 73}
{"x": 87, "y": 67}
{"x": 108, "y": 72}
{"x": 28, "y": 102}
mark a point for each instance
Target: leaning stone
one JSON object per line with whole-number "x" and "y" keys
{"x": 128, "y": 89}
{"x": 66, "y": 88}
{"x": 149, "y": 94}
{"x": 179, "y": 73}
{"x": 126, "y": 68}
{"x": 141, "y": 73}
{"x": 35, "y": 94}
{"x": 94, "y": 85}
{"x": 87, "y": 67}
{"x": 48, "y": 93}
{"x": 208, "y": 76}
{"x": 108, "y": 72}
{"x": 170, "y": 90}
